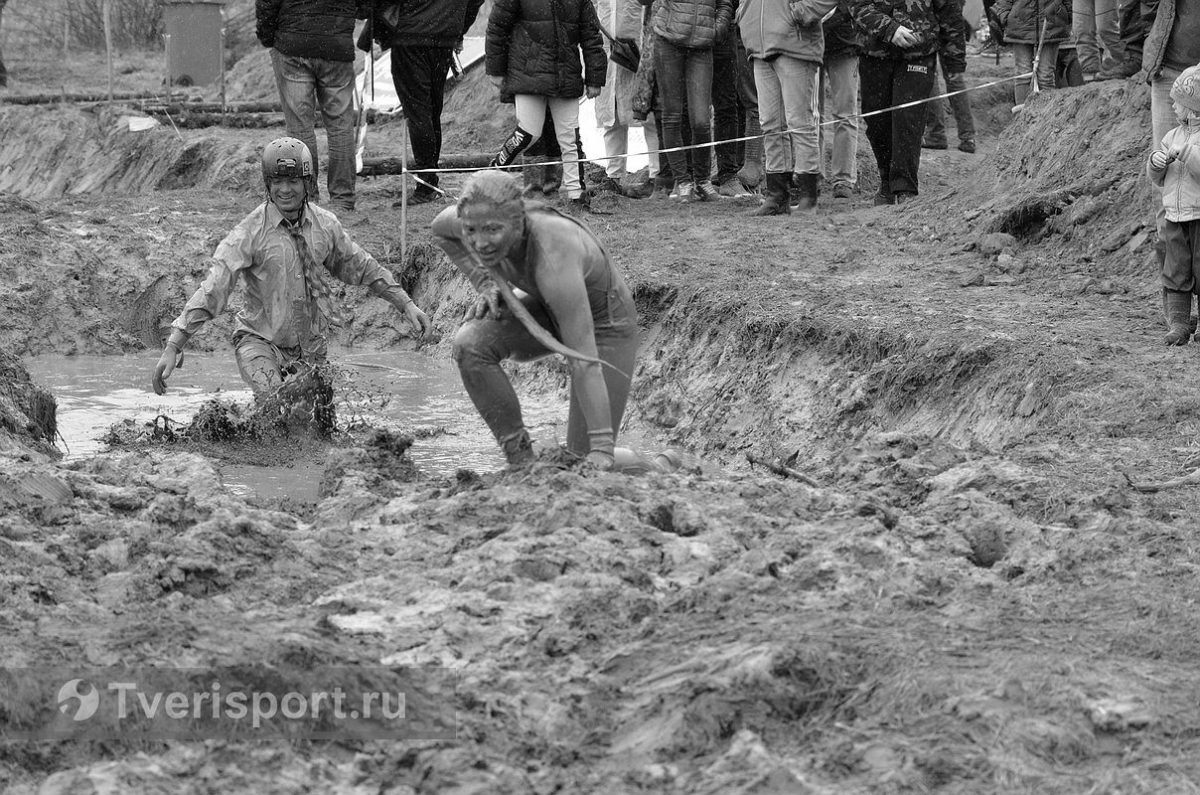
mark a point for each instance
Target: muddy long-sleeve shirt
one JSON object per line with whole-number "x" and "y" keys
{"x": 278, "y": 308}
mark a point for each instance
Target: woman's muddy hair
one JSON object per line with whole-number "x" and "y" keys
{"x": 492, "y": 187}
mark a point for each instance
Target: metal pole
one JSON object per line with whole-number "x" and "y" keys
{"x": 108, "y": 46}
{"x": 222, "y": 57}
{"x": 167, "y": 52}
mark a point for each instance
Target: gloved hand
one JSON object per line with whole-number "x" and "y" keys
{"x": 488, "y": 301}
{"x": 904, "y": 37}
{"x": 171, "y": 358}
{"x": 1159, "y": 159}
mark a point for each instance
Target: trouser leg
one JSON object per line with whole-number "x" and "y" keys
{"x": 335, "y": 92}
{"x": 960, "y": 105}
{"x": 912, "y": 82}
{"x": 619, "y": 350}
{"x": 419, "y": 75}
{"x": 725, "y": 113}
{"x": 297, "y": 96}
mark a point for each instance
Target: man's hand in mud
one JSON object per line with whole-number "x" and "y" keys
{"x": 487, "y": 302}
{"x": 418, "y": 319}
{"x": 171, "y": 358}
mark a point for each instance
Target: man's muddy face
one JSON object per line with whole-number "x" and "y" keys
{"x": 492, "y": 231}
{"x": 287, "y": 193}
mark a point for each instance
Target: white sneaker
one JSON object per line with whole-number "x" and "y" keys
{"x": 674, "y": 194}
{"x": 687, "y": 192}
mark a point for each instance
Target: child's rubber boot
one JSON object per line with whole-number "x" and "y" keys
{"x": 1177, "y": 306}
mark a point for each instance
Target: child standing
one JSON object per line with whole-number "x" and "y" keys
{"x": 1175, "y": 168}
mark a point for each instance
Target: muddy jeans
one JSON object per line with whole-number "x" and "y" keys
{"x": 263, "y": 364}
{"x": 481, "y": 345}
{"x": 841, "y": 76}
{"x": 895, "y": 135}
{"x": 306, "y": 84}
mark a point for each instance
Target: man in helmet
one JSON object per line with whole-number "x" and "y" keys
{"x": 282, "y": 251}
{"x": 312, "y": 53}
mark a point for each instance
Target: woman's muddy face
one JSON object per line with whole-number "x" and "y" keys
{"x": 492, "y": 231}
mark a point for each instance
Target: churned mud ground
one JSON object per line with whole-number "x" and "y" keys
{"x": 972, "y": 598}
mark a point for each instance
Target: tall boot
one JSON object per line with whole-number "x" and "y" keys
{"x": 534, "y": 174}
{"x": 775, "y": 195}
{"x": 517, "y": 143}
{"x": 808, "y": 188}
{"x": 552, "y": 180}
{"x": 1177, "y": 306}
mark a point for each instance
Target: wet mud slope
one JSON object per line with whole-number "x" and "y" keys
{"x": 971, "y": 598}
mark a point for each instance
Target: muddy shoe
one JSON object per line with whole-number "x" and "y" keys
{"x": 934, "y": 144}
{"x": 967, "y": 145}
{"x": 518, "y": 449}
{"x": 843, "y": 190}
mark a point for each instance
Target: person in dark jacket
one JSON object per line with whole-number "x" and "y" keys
{"x": 312, "y": 52}
{"x": 1028, "y": 23}
{"x": 904, "y": 38}
{"x": 533, "y": 54}
{"x": 3, "y": 70}
{"x": 423, "y": 35}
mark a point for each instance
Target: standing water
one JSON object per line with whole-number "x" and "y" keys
{"x": 404, "y": 391}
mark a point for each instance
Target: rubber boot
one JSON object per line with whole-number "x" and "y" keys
{"x": 534, "y": 174}
{"x": 808, "y": 188}
{"x": 1177, "y": 306}
{"x": 775, "y": 195}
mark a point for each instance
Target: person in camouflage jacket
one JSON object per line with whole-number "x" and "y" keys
{"x": 901, "y": 46}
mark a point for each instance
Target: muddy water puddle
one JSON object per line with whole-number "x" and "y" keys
{"x": 411, "y": 392}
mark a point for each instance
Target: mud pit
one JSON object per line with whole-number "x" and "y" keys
{"x": 972, "y": 599}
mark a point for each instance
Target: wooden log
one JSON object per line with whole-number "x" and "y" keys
{"x": 784, "y": 471}
{"x": 377, "y": 166}
{"x": 51, "y": 99}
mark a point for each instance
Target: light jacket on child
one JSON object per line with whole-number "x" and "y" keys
{"x": 1180, "y": 180}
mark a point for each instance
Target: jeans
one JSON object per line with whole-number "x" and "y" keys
{"x": 960, "y": 106}
{"x": 331, "y": 85}
{"x": 1181, "y": 243}
{"x": 1094, "y": 25}
{"x": 684, "y": 71}
{"x": 531, "y": 116}
{"x": 728, "y": 121}
{"x": 1047, "y": 66}
{"x": 841, "y": 76}
{"x": 787, "y": 108}
{"x": 481, "y": 345}
{"x": 895, "y": 135}
{"x": 419, "y": 74}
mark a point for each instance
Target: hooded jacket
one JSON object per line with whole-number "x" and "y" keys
{"x": 784, "y": 27}
{"x": 535, "y": 46}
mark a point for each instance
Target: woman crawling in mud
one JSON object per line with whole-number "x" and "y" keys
{"x": 279, "y": 251}
{"x": 568, "y": 299}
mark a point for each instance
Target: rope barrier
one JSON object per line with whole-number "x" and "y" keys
{"x": 404, "y": 170}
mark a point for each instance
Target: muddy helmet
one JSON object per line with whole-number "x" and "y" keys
{"x": 287, "y": 157}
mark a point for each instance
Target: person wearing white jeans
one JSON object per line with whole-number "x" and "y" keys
{"x": 531, "y": 115}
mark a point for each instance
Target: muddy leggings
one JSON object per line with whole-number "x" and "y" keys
{"x": 481, "y": 345}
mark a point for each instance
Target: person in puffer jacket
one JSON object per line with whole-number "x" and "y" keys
{"x": 786, "y": 45}
{"x": 684, "y": 32}
{"x": 1174, "y": 168}
{"x": 533, "y": 54}
{"x": 903, "y": 39}
{"x": 1028, "y": 23}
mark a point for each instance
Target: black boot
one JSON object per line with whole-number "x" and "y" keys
{"x": 808, "y": 188}
{"x": 775, "y": 195}
{"x": 1177, "y": 307}
{"x": 534, "y": 175}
